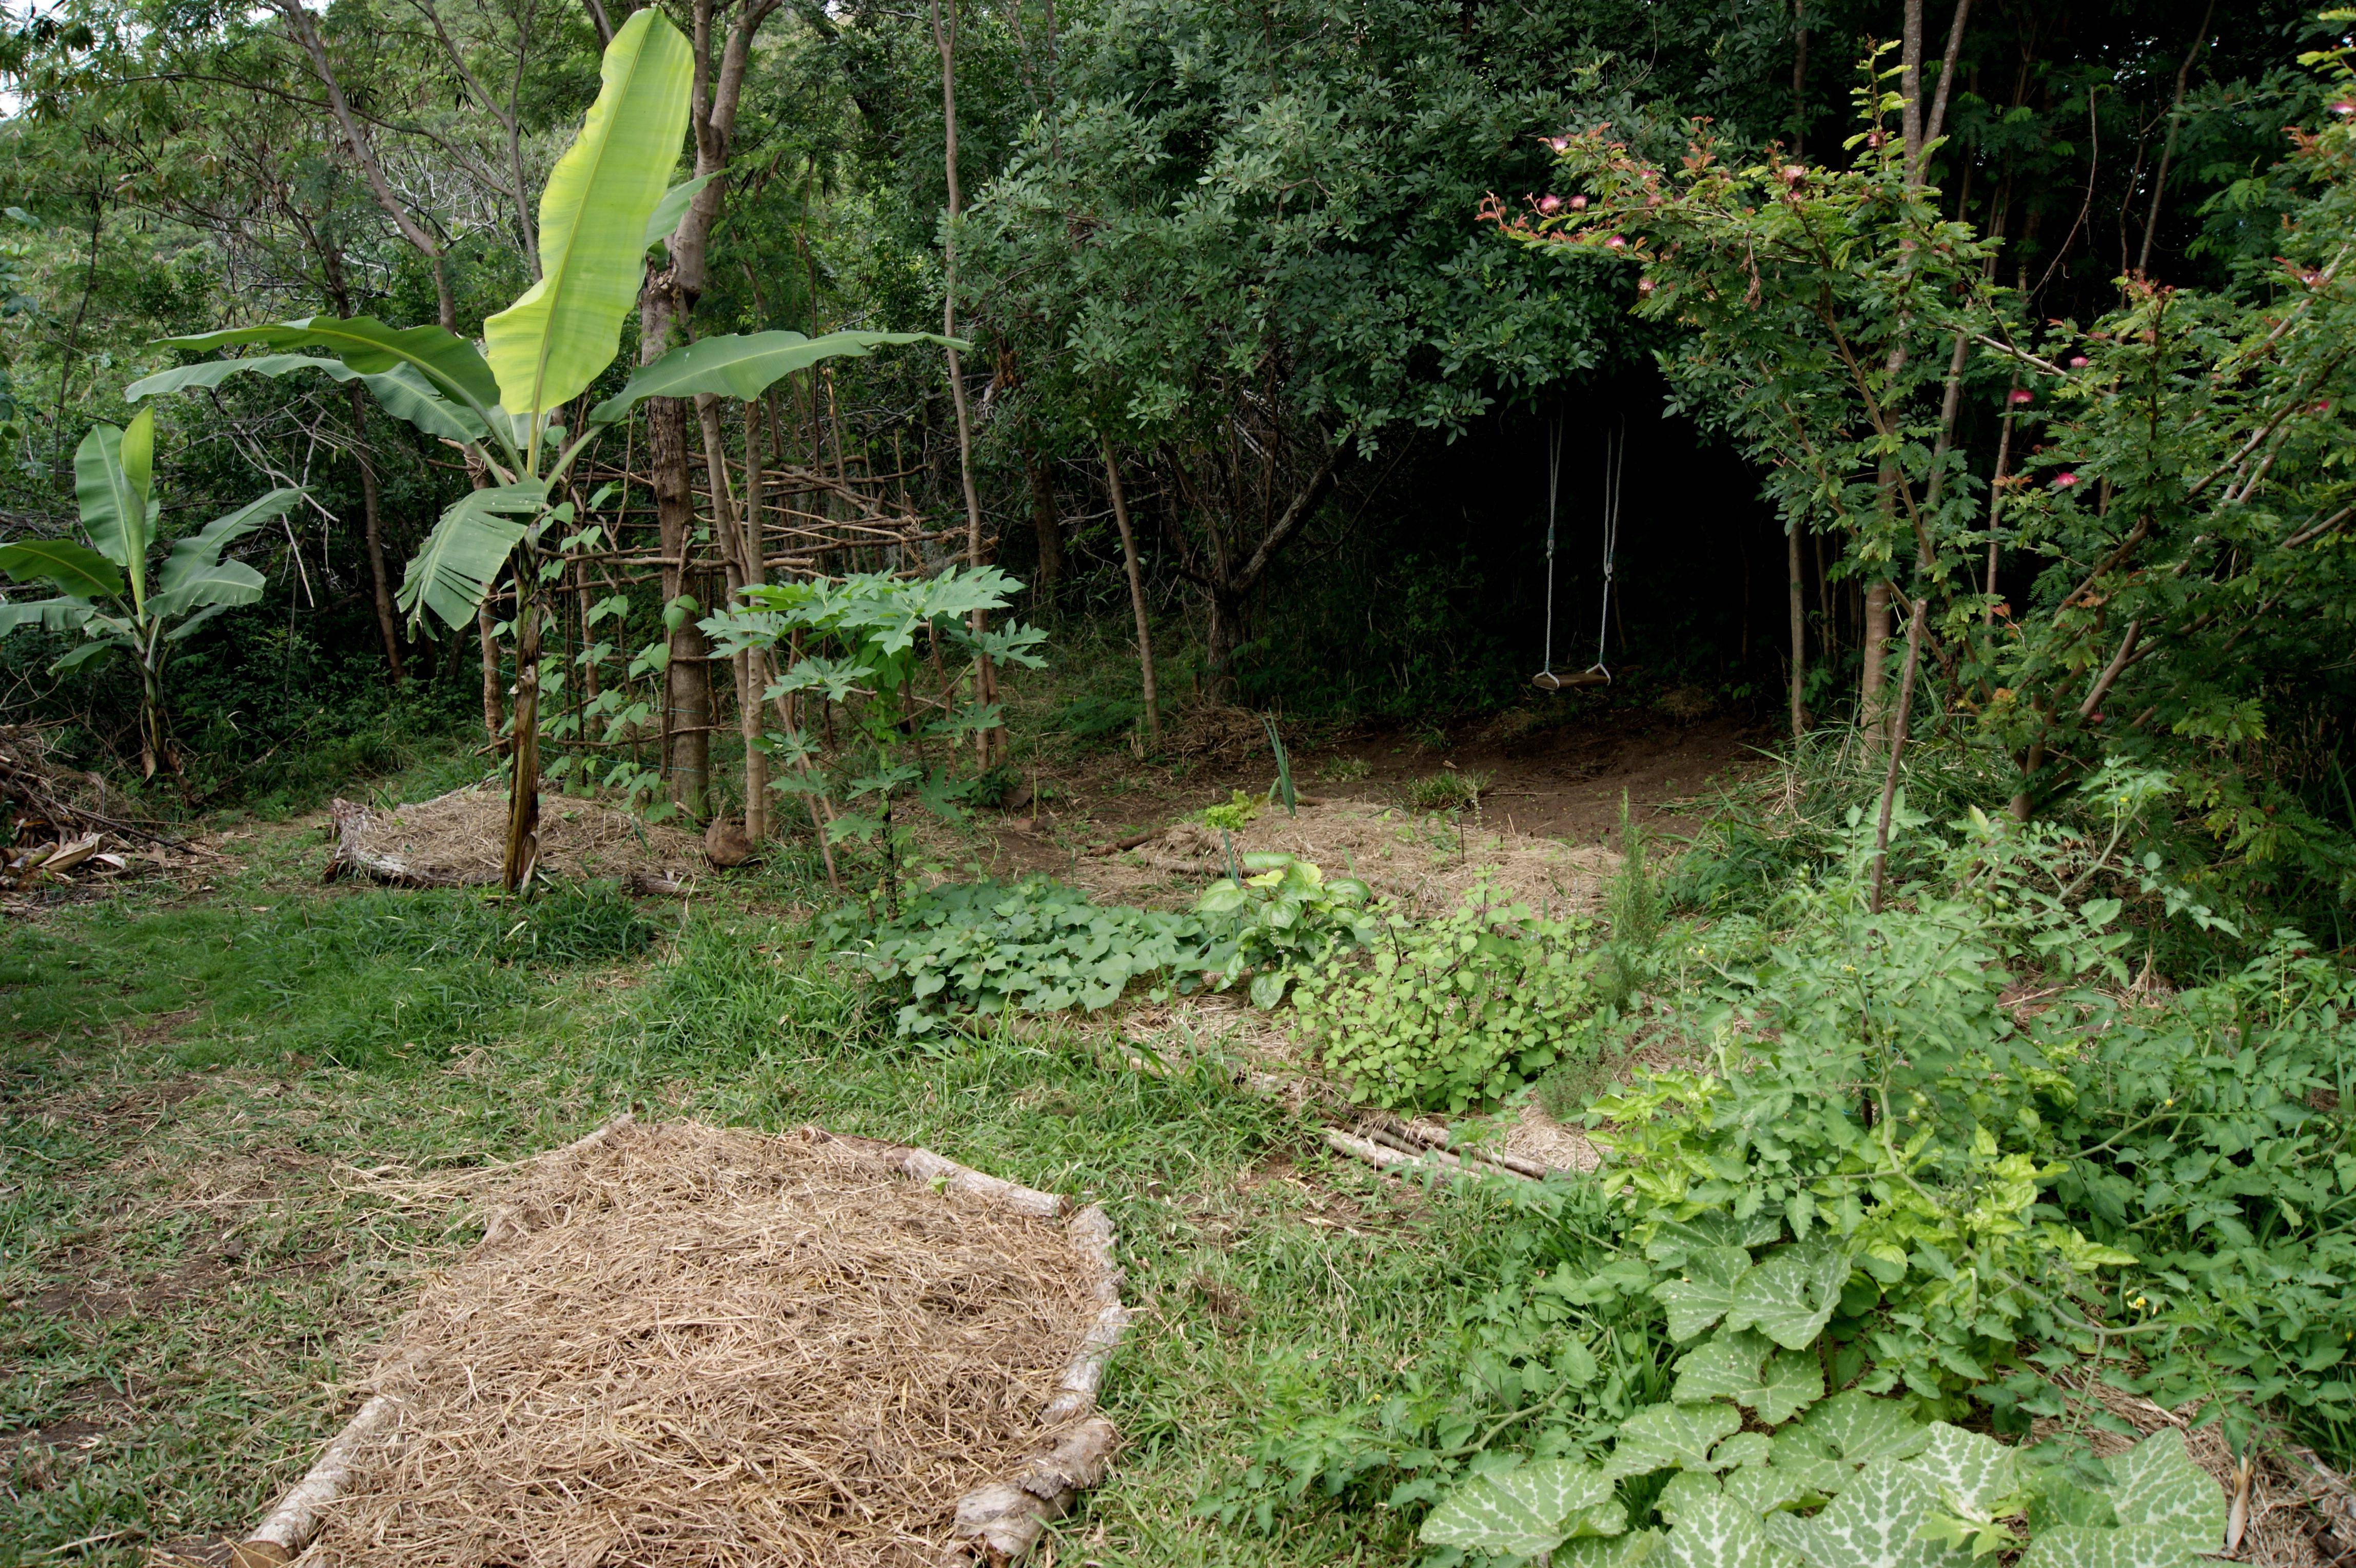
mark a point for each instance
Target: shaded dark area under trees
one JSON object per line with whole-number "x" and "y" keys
{"x": 1232, "y": 250}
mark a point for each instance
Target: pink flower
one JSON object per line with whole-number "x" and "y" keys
{"x": 1579, "y": 204}
{"x": 1549, "y": 204}
{"x": 2078, "y": 361}
{"x": 2343, "y": 108}
{"x": 2020, "y": 395}
{"x": 1645, "y": 285}
{"x": 2063, "y": 480}
{"x": 2311, "y": 279}
{"x": 1615, "y": 244}
{"x": 1560, "y": 143}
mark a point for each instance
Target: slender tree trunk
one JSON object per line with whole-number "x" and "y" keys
{"x": 1136, "y": 596}
{"x": 522, "y": 856}
{"x": 495, "y": 717}
{"x": 944, "y": 40}
{"x": 754, "y": 571}
{"x": 729, "y": 529}
{"x": 687, "y": 677}
{"x": 1049, "y": 528}
{"x": 2167, "y": 147}
{"x": 1797, "y": 584}
{"x": 1872, "y": 683}
{"x": 388, "y": 625}
{"x": 1897, "y": 747}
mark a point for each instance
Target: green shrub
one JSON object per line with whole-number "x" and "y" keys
{"x": 1035, "y": 946}
{"x": 1282, "y": 921}
{"x": 1455, "y": 1012}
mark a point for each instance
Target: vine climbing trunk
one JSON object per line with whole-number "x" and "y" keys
{"x": 522, "y": 850}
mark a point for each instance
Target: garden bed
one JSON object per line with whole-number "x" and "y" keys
{"x": 457, "y": 841}
{"x": 682, "y": 1344}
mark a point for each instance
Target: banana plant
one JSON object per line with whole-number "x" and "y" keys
{"x": 103, "y": 588}
{"x": 604, "y": 206}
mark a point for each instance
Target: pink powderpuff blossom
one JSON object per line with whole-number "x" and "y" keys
{"x": 1560, "y": 143}
{"x": 1579, "y": 204}
{"x": 2064, "y": 480}
{"x": 1549, "y": 205}
{"x": 2021, "y": 395}
{"x": 2078, "y": 361}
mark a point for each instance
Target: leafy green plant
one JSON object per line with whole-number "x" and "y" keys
{"x": 1037, "y": 946}
{"x": 1343, "y": 770}
{"x": 860, "y": 646}
{"x": 1454, "y": 1012}
{"x": 1854, "y": 1482}
{"x": 1284, "y": 920}
{"x": 604, "y": 206}
{"x": 104, "y": 588}
{"x": 1449, "y": 790}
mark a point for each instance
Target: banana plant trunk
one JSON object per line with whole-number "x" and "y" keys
{"x": 522, "y": 854}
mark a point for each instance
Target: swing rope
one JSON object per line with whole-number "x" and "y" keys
{"x": 1615, "y": 458}
{"x": 1615, "y": 462}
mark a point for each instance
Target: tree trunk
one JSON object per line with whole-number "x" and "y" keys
{"x": 1049, "y": 527}
{"x": 522, "y": 855}
{"x": 1224, "y": 637}
{"x": 755, "y": 572}
{"x": 1872, "y": 683}
{"x": 944, "y": 40}
{"x": 1799, "y": 636}
{"x": 494, "y": 708}
{"x": 1897, "y": 748}
{"x": 373, "y": 524}
{"x": 687, "y": 678}
{"x": 1136, "y": 597}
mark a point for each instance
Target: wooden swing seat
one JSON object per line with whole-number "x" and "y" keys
{"x": 1555, "y": 680}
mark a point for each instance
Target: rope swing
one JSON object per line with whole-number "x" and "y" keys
{"x": 1616, "y": 457}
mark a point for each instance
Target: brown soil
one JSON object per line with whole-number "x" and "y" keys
{"x": 1554, "y": 773}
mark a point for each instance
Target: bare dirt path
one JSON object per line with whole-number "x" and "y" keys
{"x": 1562, "y": 780}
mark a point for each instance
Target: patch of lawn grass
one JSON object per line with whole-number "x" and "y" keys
{"x": 208, "y": 1104}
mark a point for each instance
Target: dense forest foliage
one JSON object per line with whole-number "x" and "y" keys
{"x": 2034, "y": 451}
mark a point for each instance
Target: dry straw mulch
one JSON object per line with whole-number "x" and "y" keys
{"x": 1426, "y": 863}
{"x": 457, "y": 840}
{"x": 692, "y": 1345}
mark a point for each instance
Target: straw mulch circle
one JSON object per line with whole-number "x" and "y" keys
{"x": 692, "y": 1345}
{"x": 459, "y": 840}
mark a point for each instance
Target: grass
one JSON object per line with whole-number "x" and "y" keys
{"x": 1447, "y": 790}
{"x": 208, "y": 1095}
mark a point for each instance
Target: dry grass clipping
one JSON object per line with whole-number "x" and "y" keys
{"x": 689, "y": 1346}
{"x": 1422, "y": 862}
{"x": 457, "y": 840}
